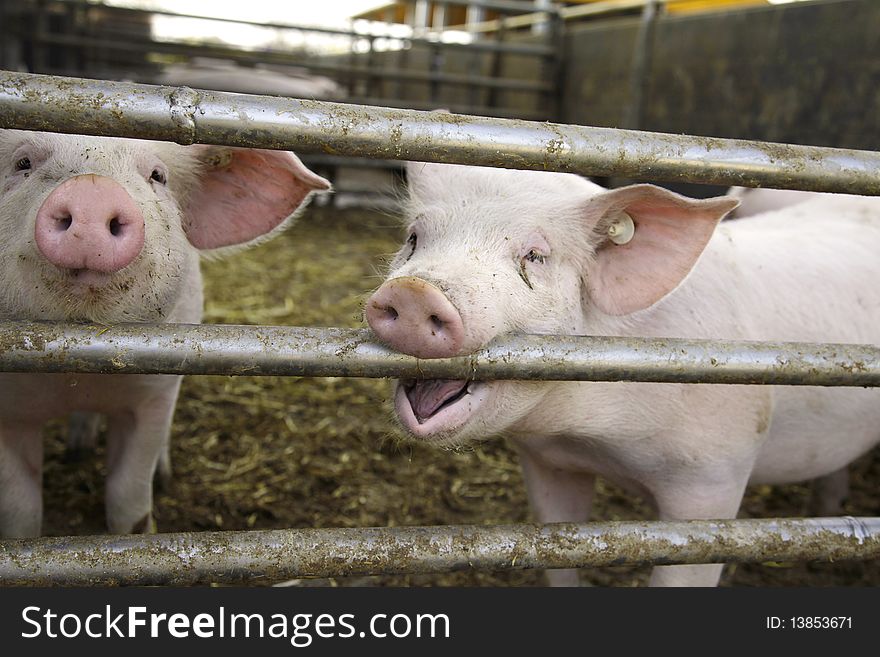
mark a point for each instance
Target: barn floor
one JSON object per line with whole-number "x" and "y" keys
{"x": 260, "y": 453}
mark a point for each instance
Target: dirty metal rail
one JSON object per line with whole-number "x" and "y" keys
{"x": 36, "y": 102}
{"x": 272, "y": 555}
{"x": 295, "y": 351}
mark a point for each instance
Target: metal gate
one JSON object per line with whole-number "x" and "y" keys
{"x": 184, "y": 115}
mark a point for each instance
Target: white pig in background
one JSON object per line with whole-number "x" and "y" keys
{"x": 831, "y": 491}
{"x": 491, "y": 251}
{"x": 106, "y": 230}
{"x": 757, "y": 200}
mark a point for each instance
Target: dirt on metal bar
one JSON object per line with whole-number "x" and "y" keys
{"x": 40, "y": 102}
{"x": 301, "y": 351}
{"x": 229, "y": 557}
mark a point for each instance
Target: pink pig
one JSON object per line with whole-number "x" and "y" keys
{"x": 109, "y": 230}
{"x": 754, "y": 201}
{"x": 493, "y": 251}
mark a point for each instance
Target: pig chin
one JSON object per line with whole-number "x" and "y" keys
{"x": 89, "y": 296}
{"x": 438, "y": 411}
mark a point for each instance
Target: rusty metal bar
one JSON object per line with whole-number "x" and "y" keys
{"x": 36, "y": 102}
{"x": 272, "y": 555}
{"x": 294, "y": 351}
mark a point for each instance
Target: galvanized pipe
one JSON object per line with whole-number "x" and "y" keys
{"x": 294, "y": 351}
{"x": 35, "y": 102}
{"x": 273, "y": 555}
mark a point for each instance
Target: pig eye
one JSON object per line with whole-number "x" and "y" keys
{"x": 158, "y": 176}
{"x": 23, "y": 164}
{"x": 534, "y": 256}
{"x": 412, "y": 240}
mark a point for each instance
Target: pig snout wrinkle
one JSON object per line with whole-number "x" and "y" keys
{"x": 416, "y": 318}
{"x": 89, "y": 223}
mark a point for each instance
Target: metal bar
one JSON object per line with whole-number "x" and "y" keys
{"x": 496, "y": 70}
{"x": 597, "y": 9}
{"x": 536, "y": 49}
{"x": 641, "y": 64}
{"x": 294, "y": 351}
{"x": 495, "y": 82}
{"x": 518, "y": 21}
{"x": 281, "y": 57}
{"x": 227, "y": 557}
{"x": 604, "y": 8}
{"x": 554, "y": 65}
{"x": 121, "y": 109}
{"x": 264, "y": 55}
{"x": 370, "y": 76}
{"x": 502, "y": 6}
{"x": 41, "y": 29}
{"x": 523, "y": 49}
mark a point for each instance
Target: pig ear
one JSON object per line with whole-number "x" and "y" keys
{"x": 670, "y": 233}
{"x": 415, "y": 172}
{"x": 245, "y": 193}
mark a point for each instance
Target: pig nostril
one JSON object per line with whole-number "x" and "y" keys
{"x": 115, "y": 227}
{"x": 392, "y": 312}
{"x": 436, "y": 321}
{"x": 65, "y": 222}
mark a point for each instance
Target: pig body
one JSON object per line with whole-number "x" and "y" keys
{"x": 103, "y": 231}
{"x": 495, "y": 251}
{"x": 753, "y": 201}
{"x": 225, "y": 75}
{"x": 829, "y": 493}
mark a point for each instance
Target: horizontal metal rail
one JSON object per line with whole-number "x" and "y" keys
{"x": 502, "y": 6}
{"x": 524, "y": 49}
{"x": 272, "y": 55}
{"x": 36, "y": 102}
{"x": 294, "y": 351}
{"x": 273, "y": 555}
{"x": 282, "y": 57}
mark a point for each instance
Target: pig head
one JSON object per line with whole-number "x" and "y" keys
{"x": 492, "y": 251}
{"x": 110, "y": 230}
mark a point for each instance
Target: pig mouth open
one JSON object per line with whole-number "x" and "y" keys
{"x": 426, "y": 407}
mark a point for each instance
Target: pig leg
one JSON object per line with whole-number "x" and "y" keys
{"x": 135, "y": 442}
{"x": 82, "y": 434}
{"x": 163, "y": 467}
{"x": 557, "y": 496}
{"x": 708, "y": 498}
{"x": 21, "y": 479}
{"x": 829, "y": 493}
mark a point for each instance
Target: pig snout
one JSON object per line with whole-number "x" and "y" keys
{"x": 90, "y": 222}
{"x": 414, "y": 317}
